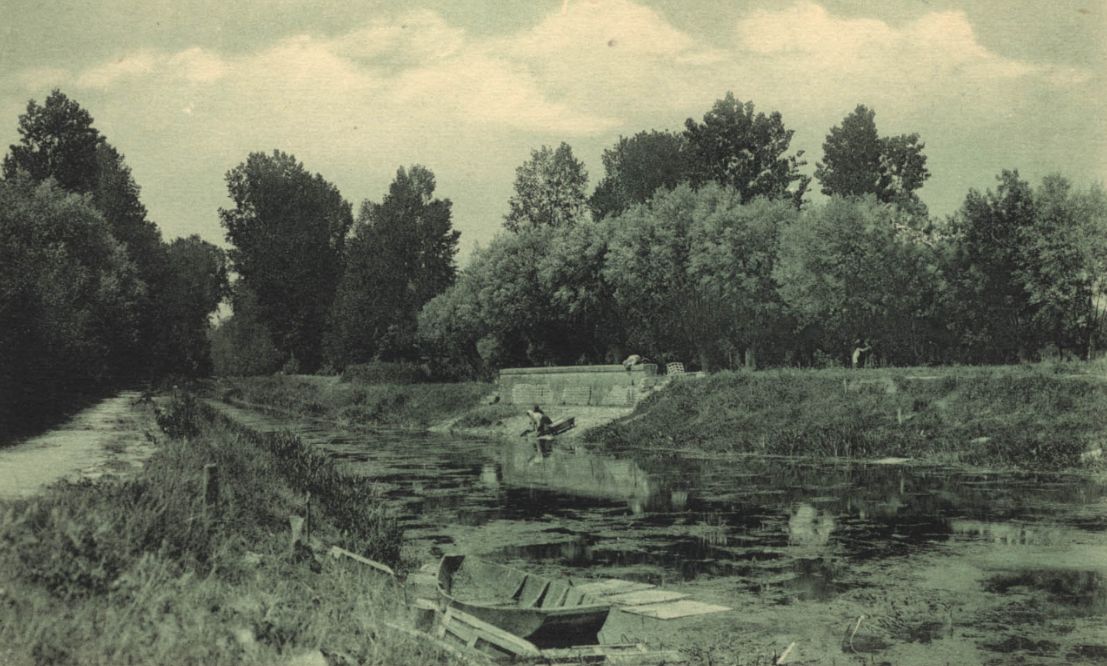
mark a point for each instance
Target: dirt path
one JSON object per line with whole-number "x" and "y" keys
{"x": 113, "y": 437}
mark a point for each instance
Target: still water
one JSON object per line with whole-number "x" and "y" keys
{"x": 852, "y": 562}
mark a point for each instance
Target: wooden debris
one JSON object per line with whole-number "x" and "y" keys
{"x": 642, "y": 597}
{"x": 670, "y": 610}
{"x": 337, "y": 552}
{"x": 612, "y": 586}
{"x": 476, "y": 634}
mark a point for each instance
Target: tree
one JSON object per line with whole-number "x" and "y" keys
{"x": 242, "y": 345}
{"x": 198, "y": 284}
{"x": 734, "y": 251}
{"x": 56, "y": 140}
{"x": 737, "y": 148}
{"x": 549, "y": 190}
{"x": 68, "y": 295}
{"x": 857, "y": 161}
{"x": 401, "y": 256}
{"x": 497, "y": 314}
{"x": 691, "y": 273}
{"x": 585, "y": 324}
{"x": 854, "y": 272}
{"x": 635, "y": 167}
{"x": 287, "y": 229}
{"x": 993, "y": 307}
{"x": 1063, "y": 265}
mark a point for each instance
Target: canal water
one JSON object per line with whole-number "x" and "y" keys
{"x": 845, "y": 562}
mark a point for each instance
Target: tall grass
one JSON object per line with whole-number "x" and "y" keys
{"x": 356, "y": 403}
{"x": 1025, "y": 416}
{"x": 142, "y": 572}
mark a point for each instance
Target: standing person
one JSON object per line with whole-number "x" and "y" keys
{"x": 858, "y": 352}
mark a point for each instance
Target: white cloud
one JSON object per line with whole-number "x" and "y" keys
{"x": 198, "y": 66}
{"x": 106, "y": 74}
{"x": 43, "y": 77}
{"x": 416, "y": 88}
{"x": 938, "y": 48}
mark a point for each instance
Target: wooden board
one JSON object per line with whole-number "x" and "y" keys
{"x": 642, "y": 597}
{"x": 670, "y": 610}
{"x": 629, "y": 653}
{"x": 477, "y": 634}
{"x": 608, "y": 586}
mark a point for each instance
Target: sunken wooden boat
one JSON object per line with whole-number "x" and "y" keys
{"x": 544, "y": 611}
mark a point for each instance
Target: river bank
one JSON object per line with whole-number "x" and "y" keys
{"x": 158, "y": 568}
{"x": 1029, "y": 417}
{"x": 1033, "y": 417}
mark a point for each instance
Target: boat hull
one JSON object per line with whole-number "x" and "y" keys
{"x": 545, "y": 612}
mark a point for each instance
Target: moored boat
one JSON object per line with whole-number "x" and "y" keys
{"x": 544, "y": 611}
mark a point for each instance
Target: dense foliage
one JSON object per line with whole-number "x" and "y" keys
{"x": 90, "y": 295}
{"x": 701, "y": 248}
{"x": 288, "y": 230}
{"x": 697, "y": 246}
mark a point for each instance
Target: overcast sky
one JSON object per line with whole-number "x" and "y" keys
{"x": 355, "y": 89}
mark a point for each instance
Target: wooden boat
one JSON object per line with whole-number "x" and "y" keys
{"x": 560, "y": 426}
{"x": 544, "y": 611}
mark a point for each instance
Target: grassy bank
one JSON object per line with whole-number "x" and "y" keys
{"x": 139, "y": 571}
{"x": 1041, "y": 417}
{"x": 357, "y": 403}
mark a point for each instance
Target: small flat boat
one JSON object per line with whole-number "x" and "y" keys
{"x": 561, "y": 425}
{"x": 544, "y": 611}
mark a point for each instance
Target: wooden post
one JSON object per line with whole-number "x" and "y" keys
{"x": 211, "y": 487}
{"x": 297, "y": 525}
{"x": 307, "y": 518}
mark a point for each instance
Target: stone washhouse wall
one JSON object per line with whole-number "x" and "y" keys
{"x": 597, "y": 385}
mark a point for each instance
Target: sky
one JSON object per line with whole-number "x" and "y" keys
{"x": 186, "y": 90}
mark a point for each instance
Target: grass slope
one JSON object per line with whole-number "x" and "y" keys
{"x": 1025, "y": 416}
{"x": 138, "y": 572}
{"x": 356, "y": 403}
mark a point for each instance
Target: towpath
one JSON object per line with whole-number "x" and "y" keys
{"x": 112, "y": 437}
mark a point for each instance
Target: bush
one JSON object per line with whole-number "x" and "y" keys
{"x": 382, "y": 372}
{"x": 180, "y": 418}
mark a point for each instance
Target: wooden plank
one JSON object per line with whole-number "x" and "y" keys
{"x": 674, "y": 609}
{"x": 342, "y": 552}
{"x": 643, "y": 597}
{"x": 629, "y": 653}
{"x": 475, "y": 659}
{"x": 593, "y": 650}
{"x": 461, "y": 622}
{"x": 612, "y": 586}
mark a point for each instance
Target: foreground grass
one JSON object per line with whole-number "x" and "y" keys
{"x": 355, "y": 403}
{"x": 1041, "y": 417}
{"x": 140, "y": 572}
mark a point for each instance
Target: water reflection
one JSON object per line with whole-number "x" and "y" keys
{"x": 810, "y": 527}
{"x": 783, "y": 528}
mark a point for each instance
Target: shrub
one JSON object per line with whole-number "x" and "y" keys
{"x": 180, "y": 418}
{"x": 381, "y": 372}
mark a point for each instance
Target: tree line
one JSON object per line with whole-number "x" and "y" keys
{"x": 697, "y": 245}
{"x": 91, "y": 297}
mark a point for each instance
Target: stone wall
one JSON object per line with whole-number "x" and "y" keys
{"x": 607, "y": 385}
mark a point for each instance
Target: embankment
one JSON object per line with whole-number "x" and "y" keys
{"x": 147, "y": 570}
{"x": 463, "y": 408}
{"x": 1035, "y": 416}
{"x": 1039, "y": 417}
